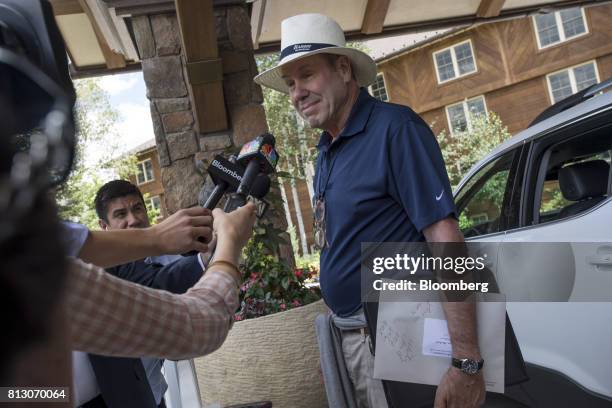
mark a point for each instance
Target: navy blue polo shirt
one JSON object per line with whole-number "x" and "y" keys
{"x": 383, "y": 180}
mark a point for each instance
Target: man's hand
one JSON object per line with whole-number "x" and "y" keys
{"x": 233, "y": 230}
{"x": 185, "y": 230}
{"x": 460, "y": 390}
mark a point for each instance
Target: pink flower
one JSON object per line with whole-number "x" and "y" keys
{"x": 283, "y": 306}
{"x": 298, "y": 273}
{"x": 253, "y": 276}
{"x": 296, "y": 303}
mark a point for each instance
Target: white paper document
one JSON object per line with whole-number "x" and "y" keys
{"x": 413, "y": 343}
{"x": 436, "y": 340}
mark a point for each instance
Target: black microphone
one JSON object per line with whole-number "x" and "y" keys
{"x": 226, "y": 175}
{"x": 259, "y": 156}
{"x": 261, "y": 187}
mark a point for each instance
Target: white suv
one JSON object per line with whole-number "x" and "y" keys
{"x": 552, "y": 184}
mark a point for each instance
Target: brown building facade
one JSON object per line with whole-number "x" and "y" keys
{"x": 515, "y": 68}
{"x": 148, "y": 177}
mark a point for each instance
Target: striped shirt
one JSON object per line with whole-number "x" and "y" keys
{"x": 111, "y": 316}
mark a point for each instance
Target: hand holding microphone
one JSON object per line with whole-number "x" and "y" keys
{"x": 260, "y": 159}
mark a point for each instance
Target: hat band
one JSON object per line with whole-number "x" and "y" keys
{"x": 304, "y": 47}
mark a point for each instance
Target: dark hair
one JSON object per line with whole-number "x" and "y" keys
{"x": 110, "y": 191}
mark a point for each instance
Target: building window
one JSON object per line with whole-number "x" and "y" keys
{"x": 145, "y": 171}
{"x": 454, "y": 62}
{"x": 564, "y": 83}
{"x": 460, "y": 115}
{"x": 560, "y": 26}
{"x": 378, "y": 90}
{"x": 155, "y": 203}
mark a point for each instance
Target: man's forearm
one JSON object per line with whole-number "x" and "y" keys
{"x": 461, "y": 319}
{"x": 115, "y": 247}
{"x": 460, "y": 316}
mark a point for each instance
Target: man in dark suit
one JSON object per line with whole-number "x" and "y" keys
{"x": 128, "y": 382}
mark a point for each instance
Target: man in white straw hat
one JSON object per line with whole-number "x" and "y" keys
{"x": 380, "y": 177}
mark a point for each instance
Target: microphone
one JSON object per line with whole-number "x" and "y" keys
{"x": 261, "y": 187}
{"x": 259, "y": 156}
{"x": 226, "y": 175}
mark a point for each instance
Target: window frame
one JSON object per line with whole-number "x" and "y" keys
{"x": 141, "y": 165}
{"x": 535, "y": 171}
{"x": 464, "y": 104}
{"x": 510, "y": 207}
{"x": 454, "y": 60}
{"x": 371, "y": 89}
{"x": 560, "y": 30}
{"x": 572, "y": 78}
{"x": 150, "y": 199}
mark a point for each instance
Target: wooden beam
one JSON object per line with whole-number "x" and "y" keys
{"x": 489, "y": 8}
{"x": 257, "y": 14}
{"x": 113, "y": 60}
{"x": 63, "y": 7}
{"x": 374, "y": 17}
{"x": 197, "y": 24}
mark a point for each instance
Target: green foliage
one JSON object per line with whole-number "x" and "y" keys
{"x": 270, "y": 286}
{"x": 153, "y": 213}
{"x": 553, "y": 200}
{"x": 270, "y": 283}
{"x": 464, "y": 149}
{"x": 309, "y": 261}
{"x": 95, "y": 162}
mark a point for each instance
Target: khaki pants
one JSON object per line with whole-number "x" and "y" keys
{"x": 359, "y": 362}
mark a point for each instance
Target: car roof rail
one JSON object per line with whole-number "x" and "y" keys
{"x": 572, "y": 100}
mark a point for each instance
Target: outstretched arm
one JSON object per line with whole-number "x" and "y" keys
{"x": 177, "y": 234}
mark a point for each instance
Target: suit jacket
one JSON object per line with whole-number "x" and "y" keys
{"x": 123, "y": 381}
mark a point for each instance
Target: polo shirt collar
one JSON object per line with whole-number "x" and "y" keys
{"x": 357, "y": 120}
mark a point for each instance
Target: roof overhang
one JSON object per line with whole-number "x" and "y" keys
{"x": 97, "y": 40}
{"x": 363, "y": 19}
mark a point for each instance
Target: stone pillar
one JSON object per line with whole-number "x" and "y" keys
{"x": 181, "y": 148}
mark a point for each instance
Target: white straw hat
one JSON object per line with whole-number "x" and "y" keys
{"x": 309, "y": 34}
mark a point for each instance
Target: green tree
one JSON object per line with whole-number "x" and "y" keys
{"x": 97, "y": 150}
{"x": 464, "y": 149}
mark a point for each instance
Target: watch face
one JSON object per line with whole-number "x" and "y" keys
{"x": 469, "y": 366}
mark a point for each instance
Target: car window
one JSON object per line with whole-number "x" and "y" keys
{"x": 481, "y": 200}
{"x": 577, "y": 177}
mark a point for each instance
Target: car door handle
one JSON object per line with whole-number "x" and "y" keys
{"x": 600, "y": 260}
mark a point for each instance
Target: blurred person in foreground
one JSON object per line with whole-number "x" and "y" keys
{"x": 53, "y": 304}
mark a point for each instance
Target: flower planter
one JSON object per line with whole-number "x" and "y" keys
{"x": 274, "y": 358}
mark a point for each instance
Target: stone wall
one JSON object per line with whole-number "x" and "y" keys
{"x": 179, "y": 144}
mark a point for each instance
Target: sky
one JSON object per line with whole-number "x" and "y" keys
{"x": 128, "y": 92}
